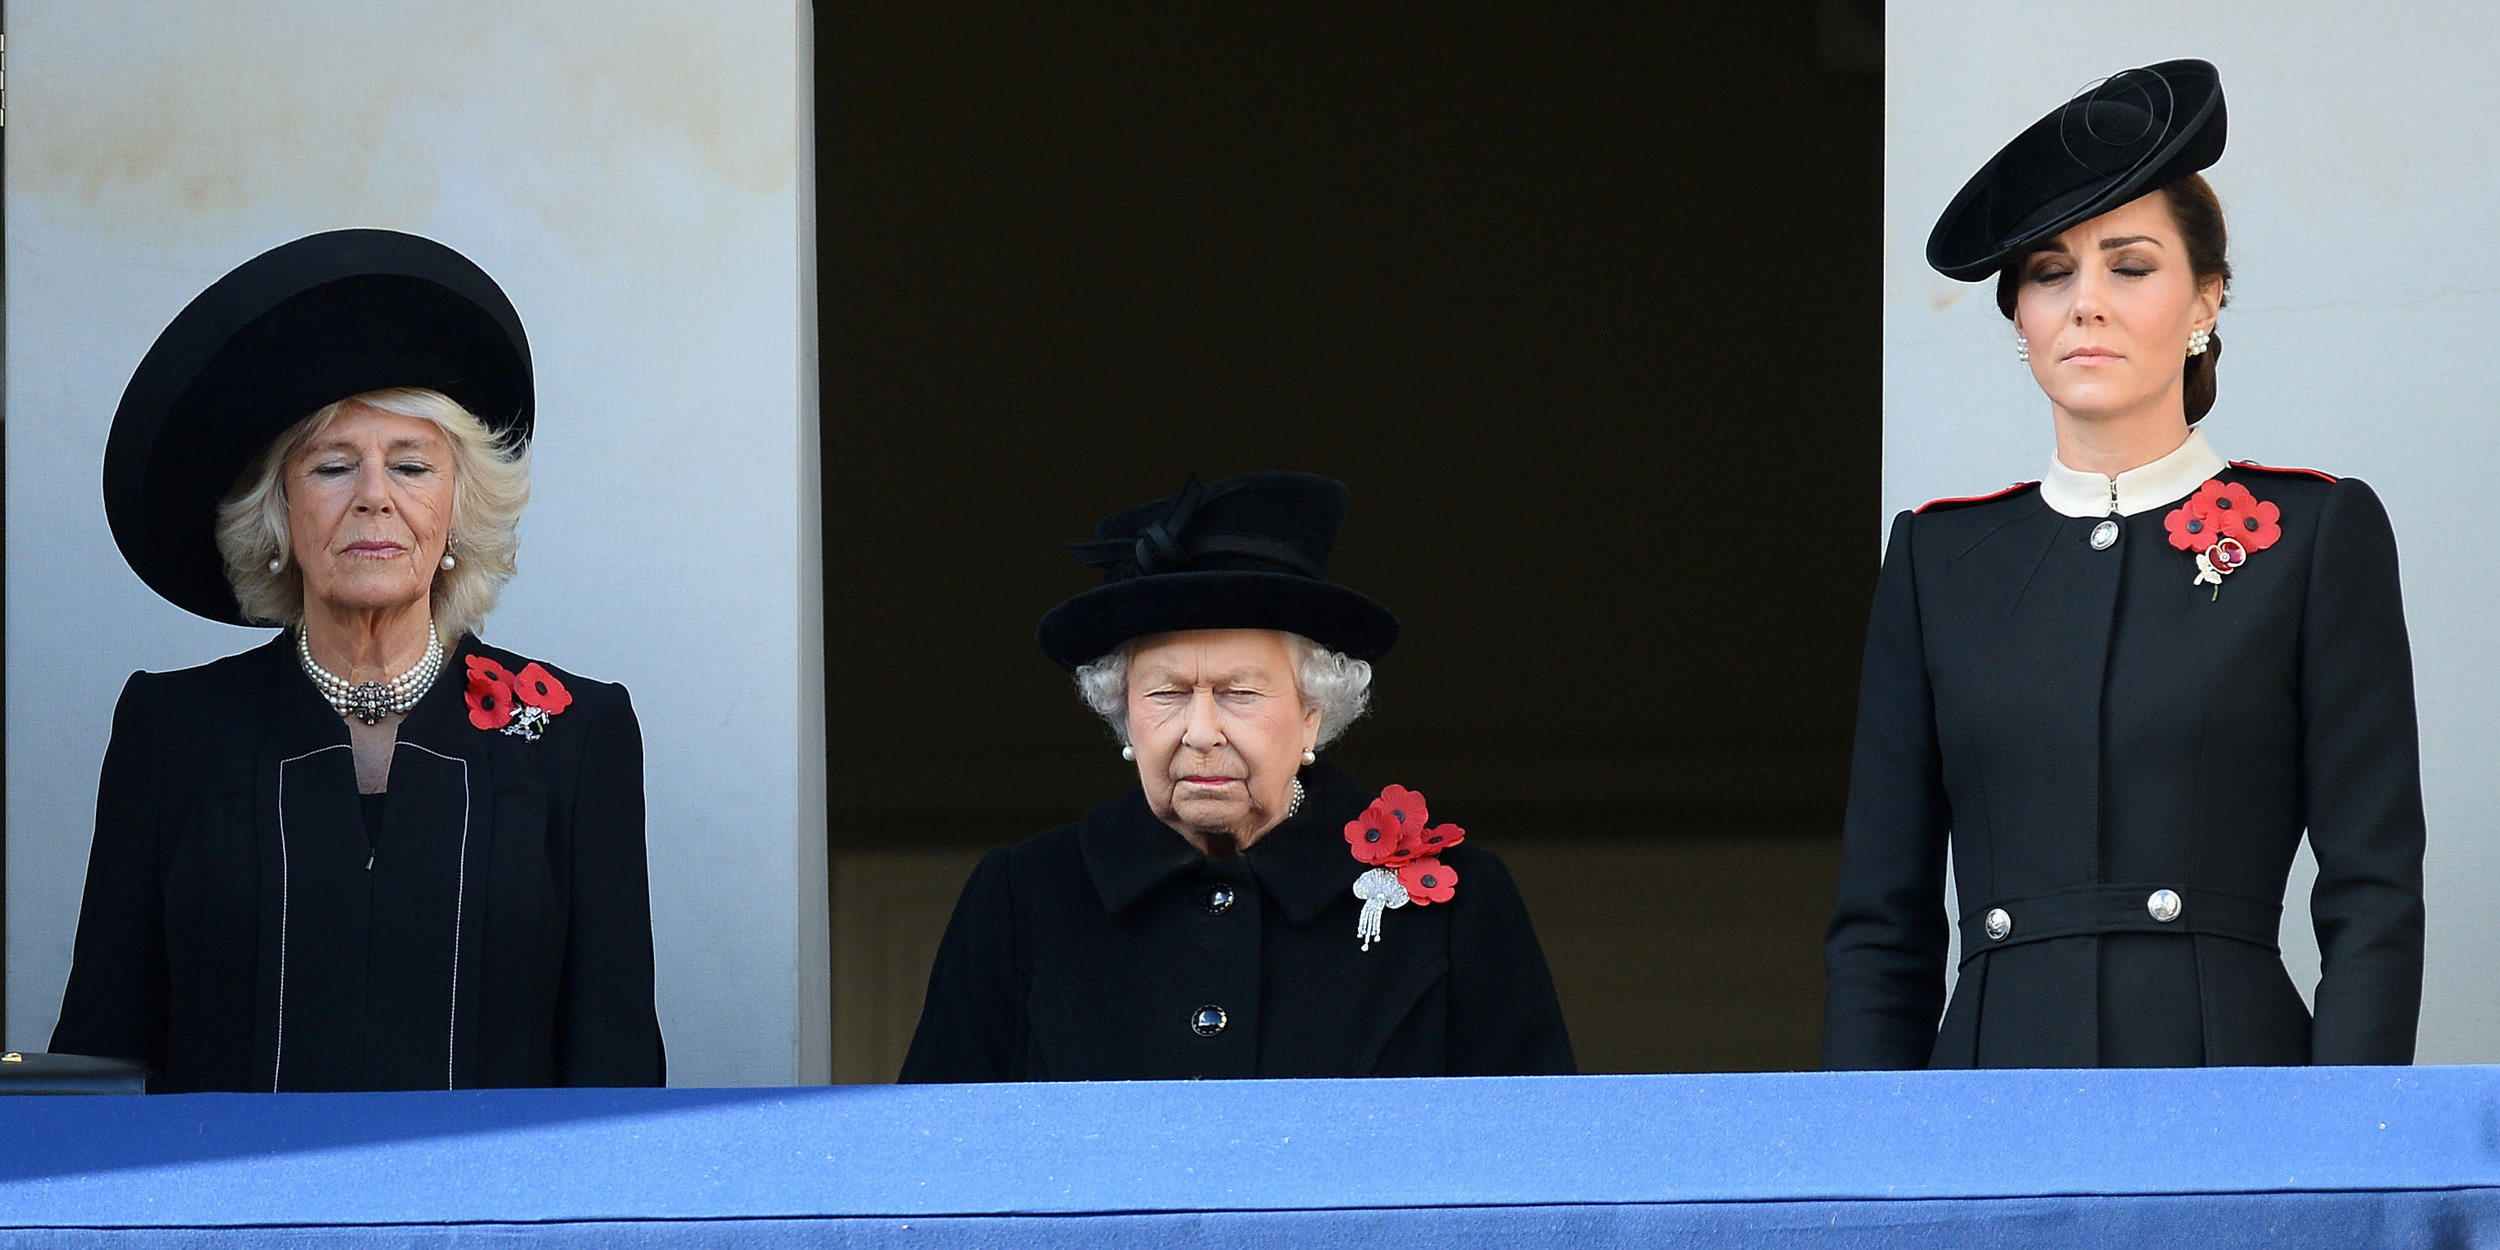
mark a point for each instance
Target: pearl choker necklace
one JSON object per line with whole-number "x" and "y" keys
{"x": 372, "y": 700}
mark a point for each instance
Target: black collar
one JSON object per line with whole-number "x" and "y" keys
{"x": 1303, "y": 862}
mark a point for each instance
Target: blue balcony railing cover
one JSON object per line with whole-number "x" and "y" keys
{"x": 2216, "y": 1158}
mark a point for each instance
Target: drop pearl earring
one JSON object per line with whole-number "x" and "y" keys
{"x": 1129, "y": 754}
{"x": 276, "y": 563}
{"x": 2022, "y": 349}
{"x": 448, "y": 562}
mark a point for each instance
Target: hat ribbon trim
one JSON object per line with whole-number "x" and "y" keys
{"x": 1147, "y": 555}
{"x": 1166, "y": 546}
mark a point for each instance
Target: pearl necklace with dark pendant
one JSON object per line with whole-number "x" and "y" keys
{"x": 370, "y": 701}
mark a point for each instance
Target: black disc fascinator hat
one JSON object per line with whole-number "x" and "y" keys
{"x": 1247, "y": 552}
{"x": 2131, "y": 134}
{"x": 295, "y": 329}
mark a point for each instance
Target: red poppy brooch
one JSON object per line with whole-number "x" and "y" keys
{"x": 1391, "y": 835}
{"x": 2223, "y": 524}
{"x": 518, "y": 704}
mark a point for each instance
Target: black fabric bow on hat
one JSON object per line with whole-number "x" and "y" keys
{"x": 1246, "y": 552}
{"x": 1169, "y": 545}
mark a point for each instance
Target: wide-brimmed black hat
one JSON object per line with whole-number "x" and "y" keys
{"x": 2131, "y": 134}
{"x": 293, "y": 330}
{"x": 1247, "y": 552}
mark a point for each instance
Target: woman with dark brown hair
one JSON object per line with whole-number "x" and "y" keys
{"x": 2122, "y": 694}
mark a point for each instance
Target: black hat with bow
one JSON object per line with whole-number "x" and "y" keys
{"x": 288, "y": 333}
{"x": 1247, "y": 552}
{"x": 2132, "y": 134}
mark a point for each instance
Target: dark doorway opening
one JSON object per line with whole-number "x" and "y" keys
{"x": 1581, "y": 300}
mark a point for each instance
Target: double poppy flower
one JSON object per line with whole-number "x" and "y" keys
{"x": 497, "y": 696}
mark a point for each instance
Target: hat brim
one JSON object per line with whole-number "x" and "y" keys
{"x": 1964, "y": 247}
{"x": 1093, "y": 624}
{"x": 288, "y": 333}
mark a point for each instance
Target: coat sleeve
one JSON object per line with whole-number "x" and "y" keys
{"x": 607, "y": 1026}
{"x": 1884, "y": 954}
{"x": 116, "y": 1001}
{"x": 2361, "y": 787}
{"x": 972, "y": 1023}
{"x": 1505, "y": 1019}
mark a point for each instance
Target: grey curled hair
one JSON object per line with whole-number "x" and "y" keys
{"x": 1339, "y": 685}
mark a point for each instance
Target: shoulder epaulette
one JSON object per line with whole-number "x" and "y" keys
{"x": 1964, "y": 500}
{"x": 2273, "y": 468}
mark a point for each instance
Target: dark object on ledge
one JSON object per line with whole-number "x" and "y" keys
{"x": 39, "y": 1073}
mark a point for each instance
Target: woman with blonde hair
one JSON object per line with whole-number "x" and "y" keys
{"x": 373, "y": 852}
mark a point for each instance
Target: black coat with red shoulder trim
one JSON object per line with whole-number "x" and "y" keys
{"x": 2089, "y": 727}
{"x": 1091, "y": 951}
{"x": 243, "y": 929}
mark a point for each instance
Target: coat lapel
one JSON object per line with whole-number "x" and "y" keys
{"x": 443, "y": 788}
{"x": 1128, "y": 852}
{"x": 444, "y": 779}
{"x": 304, "y": 779}
{"x": 1304, "y": 862}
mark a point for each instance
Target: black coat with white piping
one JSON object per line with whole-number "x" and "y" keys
{"x": 233, "y": 936}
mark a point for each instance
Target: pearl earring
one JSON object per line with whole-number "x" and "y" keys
{"x": 276, "y": 563}
{"x": 1129, "y": 754}
{"x": 448, "y": 562}
{"x": 2199, "y": 341}
{"x": 1310, "y": 757}
{"x": 2022, "y": 348}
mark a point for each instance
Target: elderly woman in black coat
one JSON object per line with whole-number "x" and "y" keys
{"x": 373, "y": 853}
{"x": 1245, "y": 911}
{"x": 2125, "y": 691}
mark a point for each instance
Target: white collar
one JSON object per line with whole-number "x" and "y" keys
{"x": 2141, "y": 489}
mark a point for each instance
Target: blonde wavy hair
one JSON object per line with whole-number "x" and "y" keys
{"x": 490, "y": 487}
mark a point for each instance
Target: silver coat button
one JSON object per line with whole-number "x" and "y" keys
{"x": 1999, "y": 924}
{"x": 1219, "y": 900}
{"x": 2163, "y": 905}
{"x": 2104, "y": 535}
{"x": 1208, "y": 1022}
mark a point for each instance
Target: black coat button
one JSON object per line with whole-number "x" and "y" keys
{"x": 1208, "y": 1022}
{"x": 1219, "y": 900}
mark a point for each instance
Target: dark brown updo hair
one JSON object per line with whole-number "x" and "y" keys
{"x": 2198, "y": 214}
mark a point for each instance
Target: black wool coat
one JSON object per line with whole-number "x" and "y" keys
{"x": 2091, "y": 727}
{"x": 242, "y": 931}
{"x": 1090, "y": 952}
